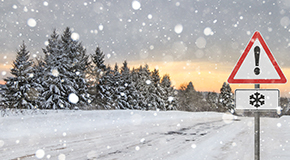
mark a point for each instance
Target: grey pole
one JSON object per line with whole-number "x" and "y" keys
{"x": 257, "y": 130}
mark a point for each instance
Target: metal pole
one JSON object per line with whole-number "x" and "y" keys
{"x": 257, "y": 130}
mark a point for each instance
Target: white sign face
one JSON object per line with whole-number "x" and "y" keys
{"x": 260, "y": 62}
{"x": 257, "y": 98}
{"x": 257, "y": 64}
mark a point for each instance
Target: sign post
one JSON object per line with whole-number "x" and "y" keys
{"x": 257, "y": 66}
{"x": 257, "y": 130}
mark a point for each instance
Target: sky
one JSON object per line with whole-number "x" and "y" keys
{"x": 191, "y": 40}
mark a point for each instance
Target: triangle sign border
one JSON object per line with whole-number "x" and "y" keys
{"x": 258, "y": 36}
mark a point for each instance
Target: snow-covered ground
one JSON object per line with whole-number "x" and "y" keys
{"x": 125, "y": 134}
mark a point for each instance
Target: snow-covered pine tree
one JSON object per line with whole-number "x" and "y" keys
{"x": 76, "y": 67}
{"x": 128, "y": 87}
{"x": 170, "y": 98}
{"x": 98, "y": 60}
{"x": 226, "y": 97}
{"x": 56, "y": 83}
{"x": 65, "y": 62}
{"x": 146, "y": 88}
{"x": 134, "y": 94}
{"x": 105, "y": 90}
{"x": 159, "y": 92}
{"x": 18, "y": 90}
{"x": 36, "y": 83}
{"x": 95, "y": 71}
{"x": 119, "y": 96}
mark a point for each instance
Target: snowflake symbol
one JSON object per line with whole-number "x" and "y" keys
{"x": 257, "y": 99}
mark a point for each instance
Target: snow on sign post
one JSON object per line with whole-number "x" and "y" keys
{"x": 257, "y": 65}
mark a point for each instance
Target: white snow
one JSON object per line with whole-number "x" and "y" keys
{"x": 101, "y": 27}
{"x": 45, "y": 3}
{"x": 39, "y": 153}
{"x": 200, "y": 42}
{"x": 73, "y": 98}
{"x": 75, "y": 36}
{"x": 31, "y": 22}
{"x": 149, "y": 16}
{"x": 114, "y": 134}
{"x": 55, "y": 72}
{"x": 178, "y": 28}
{"x": 207, "y": 31}
{"x": 148, "y": 82}
{"x": 136, "y": 5}
{"x": 14, "y": 6}
{"x": 3, "y": 73}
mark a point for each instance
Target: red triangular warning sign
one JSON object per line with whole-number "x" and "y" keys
{"x": 257, "y": 64}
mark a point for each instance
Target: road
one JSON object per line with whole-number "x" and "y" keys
{"x": 140, "y": 135}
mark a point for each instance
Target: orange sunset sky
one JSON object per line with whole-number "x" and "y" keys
{"x": 205, "y": 76}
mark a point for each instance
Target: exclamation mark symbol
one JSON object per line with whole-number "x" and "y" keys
{"x": 257, "y": 57}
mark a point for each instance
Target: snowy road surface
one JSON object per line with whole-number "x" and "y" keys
{"x": 111, "y": 135}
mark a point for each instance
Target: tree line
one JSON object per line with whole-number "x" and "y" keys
{"x": 67, "y": 78}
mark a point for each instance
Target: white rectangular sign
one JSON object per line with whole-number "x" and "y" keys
{"x": 257, "y": 98}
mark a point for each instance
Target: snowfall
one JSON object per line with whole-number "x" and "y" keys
{"x": 128, "y": 134}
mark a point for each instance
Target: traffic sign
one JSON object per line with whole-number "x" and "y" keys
{"x": 257, "y": 98}
{"x": 257, "y": 64}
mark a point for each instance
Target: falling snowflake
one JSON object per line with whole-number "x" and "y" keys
{"x": 75, "y": 36}
{"x": 178, "y": 28}
{"x": 61, "y": 157}
{"x": 193, "y": 146}
{"x": 45, "y": 3}
{"x": 136, "y": 5}
{"x": 31, "y": 22}
{"x": 73, "y": 98}
{"x": 148, "y": 82}
{"x": 39, "y": 153}
{"x": 149, "y": 16}
{"x": 170, "y": 98}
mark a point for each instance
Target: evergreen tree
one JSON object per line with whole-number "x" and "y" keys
{"x": 146, "y": 88}
{"x": 77, "y": 67}
{"x": 19, "y": 92}
{"x": 65, "y": 63}
{"x": 212, "y": 99}
{"x": 105, "y": 90}
{"x": 226, "y": 97}
{"x": 128, "y": 88}
{"x": 170, "y": 98}
{"x": 37, "y": 84}
{"x": 159, "y": 93}
{"x": 134, "y": 96}
{"x": 96, "y": 69}
{"x": 190, "y": 96}
{"x": 120, "y": 96}
{"x": 56, "y": 84}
